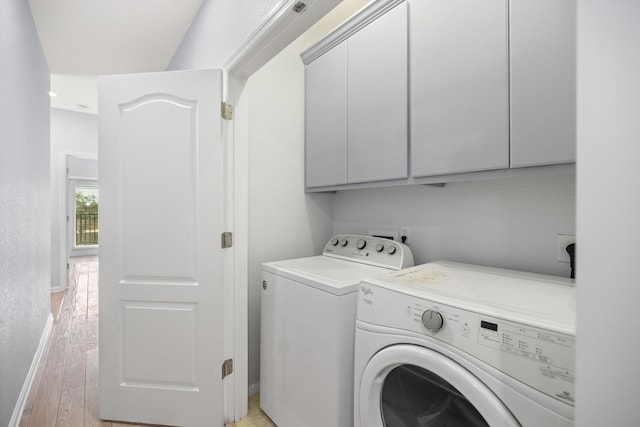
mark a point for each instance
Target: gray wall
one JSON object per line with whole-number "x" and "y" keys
{"x": 283, "y": 222}
{"x": 607, "y": 374}
{"x": 71, "y": 132}
{"x": 24, "y": 199}
{"x": 507, "y": 223}
{"x": 218, "y": 31}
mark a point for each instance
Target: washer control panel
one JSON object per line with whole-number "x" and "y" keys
{"x": 370, "y": 250}
{"x": 539, "y": 357}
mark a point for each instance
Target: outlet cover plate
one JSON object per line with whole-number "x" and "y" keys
{"x": 393, "y": 235}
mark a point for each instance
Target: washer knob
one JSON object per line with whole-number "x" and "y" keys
{"x": 344, "y": 242}
{"x": 361, "y": 243}
{"x": 391, "y": 250}
{"x": 334, "y": 242}
{"x": 432, "y": 320}
{"x": 379, "y": 247}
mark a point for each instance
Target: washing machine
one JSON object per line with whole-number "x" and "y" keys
{"x": 450, "y": 344}
{"x": 308, "y": 327}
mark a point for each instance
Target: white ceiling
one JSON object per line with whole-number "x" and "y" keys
{"x": 94, "y": 37}
{"x": 85, "y": 38}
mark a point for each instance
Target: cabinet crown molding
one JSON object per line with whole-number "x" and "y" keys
{"x": 360, "y": 20}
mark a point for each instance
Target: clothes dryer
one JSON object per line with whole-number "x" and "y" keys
{"x": 308, "y": 327}
{"x": 460, "y": 345}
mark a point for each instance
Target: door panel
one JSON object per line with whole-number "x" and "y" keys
{"x": 161, "y": 277}
{"x": 162, "y": 244}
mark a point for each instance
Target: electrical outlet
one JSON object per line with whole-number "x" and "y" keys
{"x": 404, "y": 234}
{"x": 564, "y": 240}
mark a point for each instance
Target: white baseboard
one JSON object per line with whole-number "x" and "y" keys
{"x": 55, "y": 289}
{"x": 254, "y": 388}
{"x": 26, "y": 387}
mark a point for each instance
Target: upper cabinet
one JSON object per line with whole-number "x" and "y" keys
{"x": 543, "y": 82}
{"x": 430, "y": 91}
{"x": 356, "y": 104}
{"x": 326, "y": 119}
{"x": 377, "y": 99}
{"x": 459, "y": 86}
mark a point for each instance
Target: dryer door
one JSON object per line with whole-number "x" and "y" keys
{"x": 412, "y": 386}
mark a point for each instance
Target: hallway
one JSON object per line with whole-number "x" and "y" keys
{"x": 65, "y": 389}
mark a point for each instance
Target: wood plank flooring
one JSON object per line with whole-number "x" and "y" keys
{"x": 65, "y": 389}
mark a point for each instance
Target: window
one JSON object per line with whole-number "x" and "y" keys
{"x": 86, "y": 214}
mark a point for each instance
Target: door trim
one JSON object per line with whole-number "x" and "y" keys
{"x": 61, "y": 201}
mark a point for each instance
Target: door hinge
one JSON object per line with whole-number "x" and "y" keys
{"x": 67, "y": 266}
{"x": 227, "y": 368}
{"x": 227, "y": 239}
{"x": 227, "y": 111}
{"x": 67, "y": 218}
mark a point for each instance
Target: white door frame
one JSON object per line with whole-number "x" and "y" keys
{"x": 63, "y": 258}
{"x": 236, "y": 263}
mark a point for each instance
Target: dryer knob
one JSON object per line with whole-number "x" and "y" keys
{"x": 379, "y": 247}
{"x": 344, "y": 242}
{"x": 334, "y": 242}
{"x": 361, "y": 243}
{"x": 432, "y": 320}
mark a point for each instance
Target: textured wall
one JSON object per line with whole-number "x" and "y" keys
{"x": 218, "y": 31}
{"x": 24, "y": 199}
{"x": 71, "y": 132}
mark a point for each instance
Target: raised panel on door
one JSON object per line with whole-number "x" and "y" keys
{"x": 326, "y": 119}
{"x": 161, "y": 278}
{"x": 459, "y": 86}
{"x": 377, "y": 99}
{"x": 543, "y": 82}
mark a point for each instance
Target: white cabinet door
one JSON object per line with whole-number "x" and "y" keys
{"x": 459, "y": 86}
{"x": 161, "y": 268}
{"x": 377, "y": 99}
{"x": 543, "y": 82}
{"x": 326, "y": 119}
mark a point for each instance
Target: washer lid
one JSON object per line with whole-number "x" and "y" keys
{"x": 328, "y": 274}
{"x": 526, "y": 297}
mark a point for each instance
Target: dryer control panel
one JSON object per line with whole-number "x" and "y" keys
{"x": 369, "y": 250}
{"x": 538, "y": 357}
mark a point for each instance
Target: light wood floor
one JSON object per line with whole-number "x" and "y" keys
{"x": 65, "y": 389}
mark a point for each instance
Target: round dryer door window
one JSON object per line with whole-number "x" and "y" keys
{"x": 412, "y": 386}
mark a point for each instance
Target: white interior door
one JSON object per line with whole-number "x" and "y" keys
{"x": 161, "y": 275}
